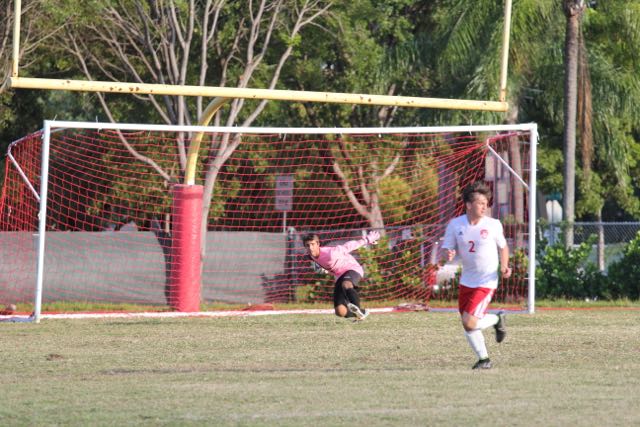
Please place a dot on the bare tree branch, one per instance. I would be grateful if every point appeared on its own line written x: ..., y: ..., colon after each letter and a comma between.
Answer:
x: 33, y: 35
x: 155, y: 41
x: 107, y: 110
x: 359, y: 207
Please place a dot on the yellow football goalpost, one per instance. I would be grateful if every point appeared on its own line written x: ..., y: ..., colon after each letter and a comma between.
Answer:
x: 224, y: 94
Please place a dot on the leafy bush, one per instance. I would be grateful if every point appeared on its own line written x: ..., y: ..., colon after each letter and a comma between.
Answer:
x: 305, y: 294
x: 624, y: 274
x: 393, y: 271
x: 318, y: 291
x: 567, y: 273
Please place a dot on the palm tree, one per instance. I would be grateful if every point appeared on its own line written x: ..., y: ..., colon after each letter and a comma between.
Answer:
x: 573, y: 45
x: 536, y: 61
x: 472, y: 72
x: 605, y: 118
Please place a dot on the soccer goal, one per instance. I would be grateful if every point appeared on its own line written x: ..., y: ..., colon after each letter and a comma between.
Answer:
x: 88, y: 212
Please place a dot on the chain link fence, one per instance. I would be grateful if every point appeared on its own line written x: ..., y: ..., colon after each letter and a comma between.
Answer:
x: 611, y: 238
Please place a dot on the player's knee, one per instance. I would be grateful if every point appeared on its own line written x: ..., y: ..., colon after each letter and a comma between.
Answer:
x: 341, y: 311
x: 469, y: 323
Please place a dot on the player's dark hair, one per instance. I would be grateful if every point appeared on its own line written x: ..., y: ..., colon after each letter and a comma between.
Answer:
x: 477, y: 187
x: 309, y: 237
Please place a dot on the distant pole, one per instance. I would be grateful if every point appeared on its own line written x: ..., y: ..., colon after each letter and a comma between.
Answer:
x: 505, y: 51
x: 16, y: 37
x: 284, y: 222
x: 284, y: 196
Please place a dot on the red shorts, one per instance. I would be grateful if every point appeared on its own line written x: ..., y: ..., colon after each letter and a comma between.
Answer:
x: 474, y: 300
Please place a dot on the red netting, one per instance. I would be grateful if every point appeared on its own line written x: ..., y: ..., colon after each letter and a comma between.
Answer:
x: 109, y: 213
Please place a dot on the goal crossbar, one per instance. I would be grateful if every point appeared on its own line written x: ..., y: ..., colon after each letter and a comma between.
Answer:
x: 64, y: 124
x: 259, y: 94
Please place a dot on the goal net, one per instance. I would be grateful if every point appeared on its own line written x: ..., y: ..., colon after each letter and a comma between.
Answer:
x: 86, y: 211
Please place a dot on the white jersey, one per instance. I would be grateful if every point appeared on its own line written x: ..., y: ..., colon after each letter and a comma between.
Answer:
x: 477, y: 245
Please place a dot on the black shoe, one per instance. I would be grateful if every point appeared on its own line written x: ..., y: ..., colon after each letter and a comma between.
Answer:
x: 482, y: 364
x: 500, y: 327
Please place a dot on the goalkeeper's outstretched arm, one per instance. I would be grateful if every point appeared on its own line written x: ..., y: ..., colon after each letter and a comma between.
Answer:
x: 370, y: 239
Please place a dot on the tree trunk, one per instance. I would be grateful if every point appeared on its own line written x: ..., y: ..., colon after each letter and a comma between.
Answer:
x: 573, y: 11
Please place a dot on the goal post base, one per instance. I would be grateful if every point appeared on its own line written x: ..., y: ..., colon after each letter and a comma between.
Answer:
x: 185, y: 277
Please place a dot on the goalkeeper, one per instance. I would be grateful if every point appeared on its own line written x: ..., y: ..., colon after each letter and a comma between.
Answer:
x: 346, y: 270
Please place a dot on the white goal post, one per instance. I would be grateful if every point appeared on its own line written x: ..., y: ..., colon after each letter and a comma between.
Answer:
x: 297, y: 185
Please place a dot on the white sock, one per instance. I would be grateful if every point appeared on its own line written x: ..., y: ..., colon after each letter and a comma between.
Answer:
x: 489, y: 319
x: 476, y: 341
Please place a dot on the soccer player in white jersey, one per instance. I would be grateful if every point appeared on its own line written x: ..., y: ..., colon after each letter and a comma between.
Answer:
x: 479, y: 241
x: 346, y: 270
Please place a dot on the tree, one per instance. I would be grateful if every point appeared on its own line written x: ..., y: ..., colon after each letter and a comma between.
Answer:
x: 36, y: 30
x: 17, y: 110
x: 178, y: 42
x: 463, y: 69
x: 606, y: 117
x: 536, y: 64
x: 606, y: 121
x: 363, y: 187
x: 573, y: 10
x: 371, y: 47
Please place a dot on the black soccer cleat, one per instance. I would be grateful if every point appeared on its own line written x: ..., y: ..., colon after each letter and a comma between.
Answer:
x: 482, y: 364
x: 501, y: 327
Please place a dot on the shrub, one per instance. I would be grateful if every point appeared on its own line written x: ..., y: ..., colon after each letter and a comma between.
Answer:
x: 567, y: 273
x: 395, y: 271
x: 624, y: 274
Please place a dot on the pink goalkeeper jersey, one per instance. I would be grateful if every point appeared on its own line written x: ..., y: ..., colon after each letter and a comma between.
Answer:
x: 338, y: 259
x: 477, y: 245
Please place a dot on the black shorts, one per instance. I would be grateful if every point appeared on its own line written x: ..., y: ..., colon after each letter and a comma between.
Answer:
x: 339, y: 295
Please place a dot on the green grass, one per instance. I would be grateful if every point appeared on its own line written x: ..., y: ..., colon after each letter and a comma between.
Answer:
x: 578, y: 368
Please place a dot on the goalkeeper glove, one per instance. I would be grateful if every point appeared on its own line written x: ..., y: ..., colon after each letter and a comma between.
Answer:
x: 372, y: 237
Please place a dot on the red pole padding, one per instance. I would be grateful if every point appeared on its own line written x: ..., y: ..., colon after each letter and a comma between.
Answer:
x: 185, y: 272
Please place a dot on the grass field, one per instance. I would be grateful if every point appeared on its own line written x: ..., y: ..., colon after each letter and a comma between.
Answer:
x: 556, y: 367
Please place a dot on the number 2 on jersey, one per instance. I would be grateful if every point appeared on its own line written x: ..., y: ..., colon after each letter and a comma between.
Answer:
x: 472, y: 246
